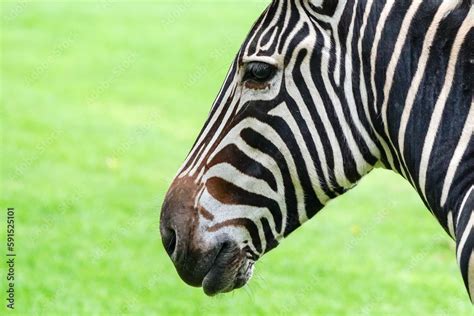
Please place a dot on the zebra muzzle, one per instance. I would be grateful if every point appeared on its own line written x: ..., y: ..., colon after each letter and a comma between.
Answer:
x: 216, y: 263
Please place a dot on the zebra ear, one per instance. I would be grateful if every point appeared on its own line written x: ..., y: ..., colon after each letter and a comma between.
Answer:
x: 324, y: 7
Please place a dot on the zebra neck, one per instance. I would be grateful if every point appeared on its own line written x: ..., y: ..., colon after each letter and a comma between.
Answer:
x: 419, y: 74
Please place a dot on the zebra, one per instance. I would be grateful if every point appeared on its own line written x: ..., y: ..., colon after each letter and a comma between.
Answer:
x: 320, y: 93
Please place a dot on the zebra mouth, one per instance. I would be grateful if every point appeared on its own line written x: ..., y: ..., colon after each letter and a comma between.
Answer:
x: 231, y: 270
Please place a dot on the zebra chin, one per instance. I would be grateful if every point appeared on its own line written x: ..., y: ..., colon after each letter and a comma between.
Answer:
x: 230, y: 270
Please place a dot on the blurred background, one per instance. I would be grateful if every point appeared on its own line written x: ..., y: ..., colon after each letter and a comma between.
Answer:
x: 100, y: 103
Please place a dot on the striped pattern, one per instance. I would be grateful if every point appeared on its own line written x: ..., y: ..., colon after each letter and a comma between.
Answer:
x: 358, y: 84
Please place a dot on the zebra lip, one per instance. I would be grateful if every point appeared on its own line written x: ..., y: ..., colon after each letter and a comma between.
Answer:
x: 222, y: 276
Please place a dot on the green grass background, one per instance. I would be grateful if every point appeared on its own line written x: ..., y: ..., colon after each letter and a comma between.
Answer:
x: 100, y: 102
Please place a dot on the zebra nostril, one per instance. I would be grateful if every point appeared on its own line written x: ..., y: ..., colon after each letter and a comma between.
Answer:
x: 169, y: 240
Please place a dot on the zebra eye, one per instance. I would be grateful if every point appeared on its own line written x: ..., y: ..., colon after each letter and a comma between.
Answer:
x: 259, y: 72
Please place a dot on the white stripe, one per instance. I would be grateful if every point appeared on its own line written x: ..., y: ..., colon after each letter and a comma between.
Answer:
x: 292, y: 34
x: 229, y: 173
x: 268, y: 26
x: 470, y: 276
x: 220, y: 106
x: 255, y: 154
x: 349, y: 93
x: 464, y: 236
x: 361, y: 164
x: 363, y: 88
x: 271, y: 164
x: 257, y: 29
x: 336, y: 18
x: 451, y: 224
x: 373, y: 54
x: 461, y: 147
x: 442, y: 98
x: 217, y: 133
x: 466, y: 134
x: 270, y: 134
x: 397, y: 50
x: 285, y: 24
x: 271, y: 41
x: 283, y: 112
x: 373, y: 59
x: 303, y: 108
x: 463, y: 204
x: 339, y: 172
x: 443, y: 10
x: 223, y: 212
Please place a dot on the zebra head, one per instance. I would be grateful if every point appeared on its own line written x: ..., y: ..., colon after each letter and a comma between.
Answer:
x: 283, y: 137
